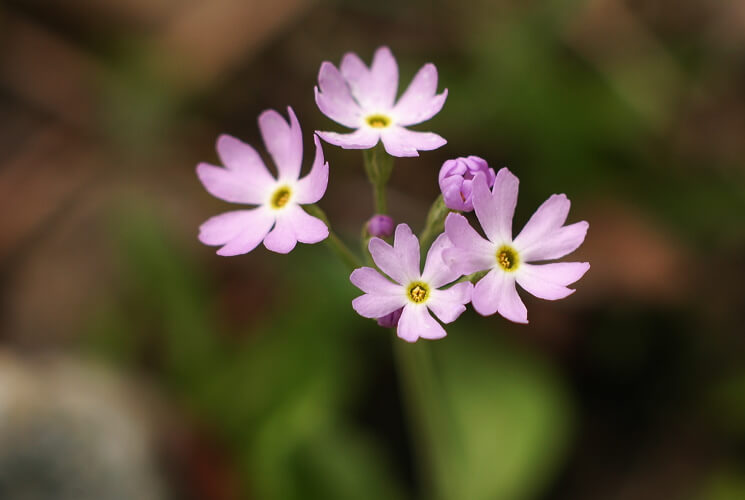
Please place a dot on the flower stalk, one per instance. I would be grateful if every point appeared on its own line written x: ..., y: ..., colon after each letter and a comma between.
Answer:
x: 428, y: 419
x: 425, y: 406
x: 378, y: 165
x: 435, y: 223
x: 341, y: 250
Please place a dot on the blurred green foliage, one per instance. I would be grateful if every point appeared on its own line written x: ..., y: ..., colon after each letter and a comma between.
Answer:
x: 283, y: 395
x: 295, y: 394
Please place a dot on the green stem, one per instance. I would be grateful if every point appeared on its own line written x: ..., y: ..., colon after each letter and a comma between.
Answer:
x: 435, y: 223
x: 364, y: 243
x: 422, y: 394
x: 381, y: 203
x: 378, y: 165
x: 333, y: 241
x: 430, y: 431
x: 473, y: 278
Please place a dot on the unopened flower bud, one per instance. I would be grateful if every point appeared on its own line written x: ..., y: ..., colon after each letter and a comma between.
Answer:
x: 380, y: 225
x: 391, y: 320
x: 455, y: 181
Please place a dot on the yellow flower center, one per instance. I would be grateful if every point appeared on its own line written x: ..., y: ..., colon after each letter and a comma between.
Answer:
x: 507, y: 258
x: 378, y: 121
x: 280, y: 197
x: 418, y: 292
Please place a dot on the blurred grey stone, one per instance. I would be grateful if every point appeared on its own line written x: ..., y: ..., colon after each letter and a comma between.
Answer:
x: 72, y: 432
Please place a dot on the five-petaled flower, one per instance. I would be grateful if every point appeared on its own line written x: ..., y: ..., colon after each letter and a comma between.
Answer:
x: 508, y: 260
x: 278, y: 220
x: 414, y: 291
x: 364, y: 99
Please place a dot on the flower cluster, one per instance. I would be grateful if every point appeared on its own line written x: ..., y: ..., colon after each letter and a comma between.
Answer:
x: 462, y: 265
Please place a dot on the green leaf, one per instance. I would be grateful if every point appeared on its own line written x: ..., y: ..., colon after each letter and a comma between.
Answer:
x: 501, y: 419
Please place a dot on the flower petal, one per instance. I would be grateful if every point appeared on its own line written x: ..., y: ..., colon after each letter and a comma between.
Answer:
x: 353, y: 69
x: 312, y: 187
x: 371, y: 281
x: 416, y: 322
x: 549, y: 281
x: 496, y: 292
x: 384, y: 72
x: 305, y: 227
x: 374, y: 88
x: 450, y: 303
x: 419, y: 102
x: 239, y: 231
x: 376, y: 306
x: 550, y: 215
x: 436, y: 271
x: 334, y: 98
x: 233, y: 186
x: 400, y: 261
x: 472, y: 252
x: 399, y: 141
x: 364, y: 138
x: 240, y: 157
x: 406, y: 245
x: 283, y: 141
x: 555, y: 244
x: 293, y: 224
x: 387, y: 260
x: 495, y: 209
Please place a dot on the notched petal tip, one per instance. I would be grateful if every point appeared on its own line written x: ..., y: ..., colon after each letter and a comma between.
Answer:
x: 279, y: 248
x: 270, y: 114
x: 357, y: 276
x: 383, y: 50
x: 202, y: 168
x: 326, y: 67
x: 402, y: 231
x: 224, y: 138
x: 226, y: 252
x: 374, y: 242
x: 319, y: 149
x: 294, y: 123
x: 505, y: 175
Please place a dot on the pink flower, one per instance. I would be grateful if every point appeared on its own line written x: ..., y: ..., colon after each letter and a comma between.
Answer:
x: 364, y: 99
x: 508, y: 260
x: 414, y: 291
x: 278, y: 220
x: 456, y: 177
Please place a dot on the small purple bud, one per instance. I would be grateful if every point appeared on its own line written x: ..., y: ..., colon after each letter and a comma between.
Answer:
x: 380, y: 225
x: 455, y: 181
x: 391, y: 320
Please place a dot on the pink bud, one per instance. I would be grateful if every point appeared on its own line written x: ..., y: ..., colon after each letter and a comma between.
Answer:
x: 380, y: 225
x: 455, y: 181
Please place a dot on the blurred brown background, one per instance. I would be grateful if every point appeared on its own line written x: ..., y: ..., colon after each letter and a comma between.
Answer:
x: 135, y: 363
